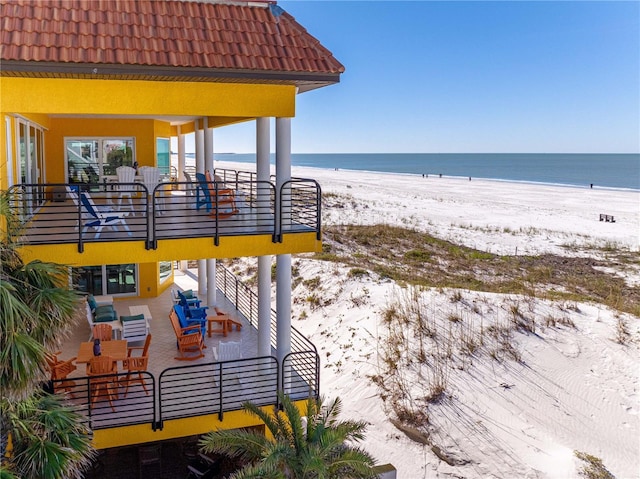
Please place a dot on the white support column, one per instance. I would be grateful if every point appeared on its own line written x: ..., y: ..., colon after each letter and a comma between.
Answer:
x: 202, y: 277
x: 283, y: 172
x: 263, y: 149
x: 212, y: 287
x: 263, y: 170
x: 208, y: 145
x: 181, y: 155
x: 200, y: 168
x: 283, y: 261
x: 283, y: 305
x: 208, y: 165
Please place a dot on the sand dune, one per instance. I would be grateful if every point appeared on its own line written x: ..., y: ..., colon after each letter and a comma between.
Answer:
x: 567, y: 384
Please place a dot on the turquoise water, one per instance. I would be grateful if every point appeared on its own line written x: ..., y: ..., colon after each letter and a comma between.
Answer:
x: 601, y: 170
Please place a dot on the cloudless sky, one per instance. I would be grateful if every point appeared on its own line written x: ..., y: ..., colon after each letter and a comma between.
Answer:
x: 468, y: 77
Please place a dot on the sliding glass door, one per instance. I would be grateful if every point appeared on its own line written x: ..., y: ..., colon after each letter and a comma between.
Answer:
x: 93, y: 160
x: 112, y: 279
x: 31, y: 162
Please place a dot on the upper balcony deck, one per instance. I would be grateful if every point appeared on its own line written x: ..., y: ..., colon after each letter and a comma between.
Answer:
x: 172, y: 221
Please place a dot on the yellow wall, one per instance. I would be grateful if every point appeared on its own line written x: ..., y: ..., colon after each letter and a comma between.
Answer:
x: 122, y: 436
x: 121, y: 97
x: 122, y: 252
x: 149, y: 285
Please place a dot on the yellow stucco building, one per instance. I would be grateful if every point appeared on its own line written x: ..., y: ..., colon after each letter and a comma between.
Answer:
x: 89, y: 87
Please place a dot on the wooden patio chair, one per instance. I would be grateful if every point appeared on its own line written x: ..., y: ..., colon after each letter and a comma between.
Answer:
x: 143, y: 349
x: 102, y: 331
x: 189, y: 339
x: 135, y: 366
x: 105, y: 385
x: 225, y: 198
x: 60, y: 369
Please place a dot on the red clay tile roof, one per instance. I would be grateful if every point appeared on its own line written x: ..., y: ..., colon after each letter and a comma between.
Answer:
x: 194, y: 38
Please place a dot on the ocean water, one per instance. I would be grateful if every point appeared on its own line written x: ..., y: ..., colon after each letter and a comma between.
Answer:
x: 580, y: 170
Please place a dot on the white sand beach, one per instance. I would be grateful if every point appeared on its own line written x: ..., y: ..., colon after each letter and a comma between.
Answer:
x: 570, y: 385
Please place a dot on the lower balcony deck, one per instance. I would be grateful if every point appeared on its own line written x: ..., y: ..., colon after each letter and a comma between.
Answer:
x: 187, y: 398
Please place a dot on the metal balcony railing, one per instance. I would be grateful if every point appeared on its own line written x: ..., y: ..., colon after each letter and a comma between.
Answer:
x: 246, y: 302
x: 301, y: 371
x: 55, y: 213
x: 185, y: 391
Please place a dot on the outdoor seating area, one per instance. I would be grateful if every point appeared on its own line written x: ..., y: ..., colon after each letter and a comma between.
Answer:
x: 161, y: 353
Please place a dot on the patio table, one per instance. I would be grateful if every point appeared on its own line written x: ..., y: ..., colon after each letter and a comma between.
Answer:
x: 117, y: 349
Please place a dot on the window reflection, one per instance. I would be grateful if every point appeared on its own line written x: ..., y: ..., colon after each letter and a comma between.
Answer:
x: 113, y: 279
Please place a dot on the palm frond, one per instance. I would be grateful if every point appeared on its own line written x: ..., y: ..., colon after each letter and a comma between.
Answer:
x: 21, y: 364
x: 353, y: 463
x: 322, y: 451
x: 268, y: 419
x: 247, y: 445
x: 49, y: 438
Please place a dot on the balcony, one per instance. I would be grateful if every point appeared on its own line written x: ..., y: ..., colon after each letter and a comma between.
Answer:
x: 186, y: 398
x: 172, y: 221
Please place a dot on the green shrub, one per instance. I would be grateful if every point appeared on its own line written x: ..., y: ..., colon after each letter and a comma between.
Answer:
x: 357, y: 273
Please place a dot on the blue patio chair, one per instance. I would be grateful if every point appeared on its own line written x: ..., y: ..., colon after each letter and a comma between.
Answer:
x: 192, y: 310
x: 203, y: 197
x: 186, y: 321
x: 98, y: 219
x: 187, y: 297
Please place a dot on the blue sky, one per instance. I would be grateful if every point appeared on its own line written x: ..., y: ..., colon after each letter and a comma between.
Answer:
x: 469, y: 77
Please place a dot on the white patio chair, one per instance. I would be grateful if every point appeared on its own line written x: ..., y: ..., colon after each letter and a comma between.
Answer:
x: 151, y: 179
x: 126, y: 174
x: 228, y: 351
x: 190, y: 189
x: 134, y: 328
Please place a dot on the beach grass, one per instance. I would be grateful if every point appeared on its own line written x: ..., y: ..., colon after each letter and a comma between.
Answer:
x: 408, y: 256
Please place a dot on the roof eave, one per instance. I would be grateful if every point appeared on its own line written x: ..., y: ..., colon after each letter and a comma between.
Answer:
x: 304, y: 80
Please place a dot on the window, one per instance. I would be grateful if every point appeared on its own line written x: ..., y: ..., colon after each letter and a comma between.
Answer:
x: 163, y: 156
x: 166, y: 267
x: 92, y: 160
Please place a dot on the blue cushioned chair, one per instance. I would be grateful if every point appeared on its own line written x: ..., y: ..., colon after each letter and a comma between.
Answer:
x: 104, y: 313
x: 185, y: 321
